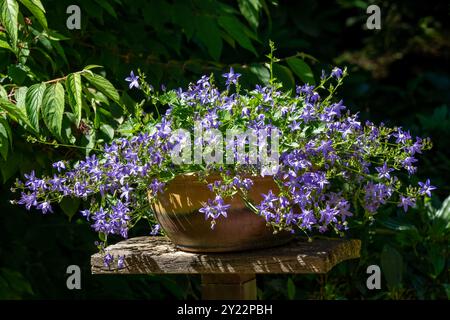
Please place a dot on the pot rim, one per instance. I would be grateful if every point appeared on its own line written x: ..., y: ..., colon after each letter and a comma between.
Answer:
x: 192, y: 178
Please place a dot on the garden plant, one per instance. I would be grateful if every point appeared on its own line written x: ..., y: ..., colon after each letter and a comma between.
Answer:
x: 93, y: 145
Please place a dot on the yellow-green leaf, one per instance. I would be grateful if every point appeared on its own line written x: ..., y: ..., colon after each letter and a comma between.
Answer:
x: 53, y: 108
x: 102, y: 85
x: 37, y: 10
x: 3, y: 93
x: 4, y: 44
x: 9, y: 13
x: 33, y: 103
x: 13, y: 111
x: 74, y: 94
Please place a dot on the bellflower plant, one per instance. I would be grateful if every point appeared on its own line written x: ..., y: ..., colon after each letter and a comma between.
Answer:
x: 332, y: 166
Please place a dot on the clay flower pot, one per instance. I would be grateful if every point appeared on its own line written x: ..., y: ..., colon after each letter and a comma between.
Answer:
x: 177, y: 213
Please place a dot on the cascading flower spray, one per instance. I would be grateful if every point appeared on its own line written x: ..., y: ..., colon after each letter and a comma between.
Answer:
x: 332, y: 166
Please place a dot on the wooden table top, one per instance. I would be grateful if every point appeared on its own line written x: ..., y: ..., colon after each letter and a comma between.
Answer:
x: 158, y: 255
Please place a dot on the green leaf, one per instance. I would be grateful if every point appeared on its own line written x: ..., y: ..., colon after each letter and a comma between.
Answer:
x: 108, y: 8
x: 10, y: 167
x: 284, y: 75
x: 209, y: 34
x: 60, y: 51
x: 250, y: 10
x: 67, y: 135
x: 75, y: 95
x: 3, y: 93
x: 88, y: 141
x: 20, y: 96
x: 17, y: 73
x: 4, y: 138
x: 102, y: 237
x: 302, y: 70
x: 53, y: 108
x: 436, y: 255
x: 392, y: 266
x: 236, y: 30
x: 9, y: 14
x: 290, y: 289
x: 36, y: 9
x: 444, y: 212
x: 33, y: 103
x: 49, y: 58
x: 13, y: 285
x: 53, y: 35
x: 16, y: 113
x: 103, y: 86
x: 5, y: 45
x: 181, y: 14
x: 397, y: 224
x: 261, y: 72
x: 70, y: 206
x: 9, y: 132
x: 447, y: 289
x: 107, y: 130
x: 92, y: 66
x: 38, y: 4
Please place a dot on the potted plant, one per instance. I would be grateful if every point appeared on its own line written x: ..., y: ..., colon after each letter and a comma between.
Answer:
x: 239, y: 169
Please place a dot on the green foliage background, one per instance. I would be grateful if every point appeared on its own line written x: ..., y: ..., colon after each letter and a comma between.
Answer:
x: 51, y: 89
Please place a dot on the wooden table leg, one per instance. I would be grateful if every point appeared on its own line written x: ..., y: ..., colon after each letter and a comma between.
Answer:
x: 229, y: 286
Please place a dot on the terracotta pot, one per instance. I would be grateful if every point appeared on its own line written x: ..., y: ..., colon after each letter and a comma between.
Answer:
x: 177, y: 212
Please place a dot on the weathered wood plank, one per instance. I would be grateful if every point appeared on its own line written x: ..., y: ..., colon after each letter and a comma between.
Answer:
x: 228, y: 286
x: 145, y: 255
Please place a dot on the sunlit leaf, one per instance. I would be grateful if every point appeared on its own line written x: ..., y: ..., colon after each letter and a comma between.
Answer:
x: 53, y: 108
x: 37, y: 10
x: 302, y: 70
x: 33, y: 104
x: 9, y: 13
x: 75, y: 94
x: 102, y: 85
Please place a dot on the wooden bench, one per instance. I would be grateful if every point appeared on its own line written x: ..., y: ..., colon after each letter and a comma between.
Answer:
x: 226, y: 275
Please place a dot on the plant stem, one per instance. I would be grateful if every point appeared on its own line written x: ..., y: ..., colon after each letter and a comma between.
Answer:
x: 64, y: 145
x: 55, y: 80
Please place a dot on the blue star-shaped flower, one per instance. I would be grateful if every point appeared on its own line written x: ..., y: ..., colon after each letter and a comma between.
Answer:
x: 231, y: 77
x: 133, y: 80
